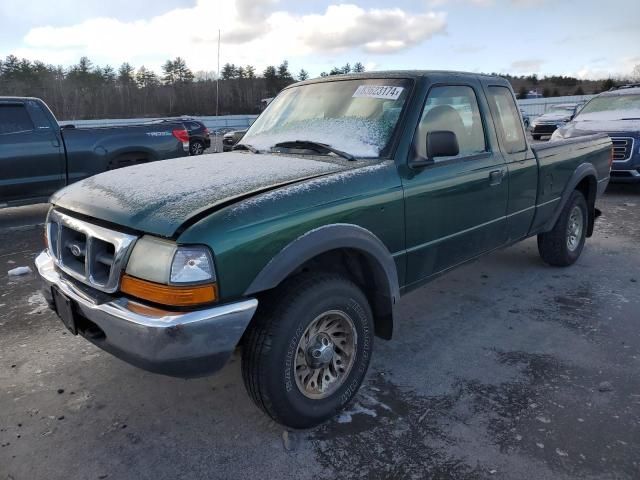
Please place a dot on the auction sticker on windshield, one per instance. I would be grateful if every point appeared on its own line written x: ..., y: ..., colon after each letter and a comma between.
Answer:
x: 378, y: 91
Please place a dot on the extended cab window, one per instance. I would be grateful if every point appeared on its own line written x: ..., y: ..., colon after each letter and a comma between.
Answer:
x: 509, y: 123
x: 453, y: 108
x: 14, y: 118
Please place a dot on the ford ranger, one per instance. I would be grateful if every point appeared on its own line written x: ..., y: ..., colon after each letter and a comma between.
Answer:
x: 38, y: 156
x: 345, y: 194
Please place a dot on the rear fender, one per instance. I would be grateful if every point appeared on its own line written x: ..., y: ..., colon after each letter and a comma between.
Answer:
x: 584, y: 171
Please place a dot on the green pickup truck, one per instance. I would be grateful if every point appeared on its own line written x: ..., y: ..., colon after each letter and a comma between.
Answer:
x: 345, y: 194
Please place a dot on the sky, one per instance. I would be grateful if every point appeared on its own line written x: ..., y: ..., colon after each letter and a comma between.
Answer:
x: 583, y: 38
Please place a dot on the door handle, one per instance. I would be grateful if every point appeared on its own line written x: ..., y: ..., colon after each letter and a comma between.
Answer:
x: 495, y: 177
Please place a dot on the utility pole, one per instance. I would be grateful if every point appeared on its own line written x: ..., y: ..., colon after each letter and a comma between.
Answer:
x: 215, y: 148
x: 218, y: 79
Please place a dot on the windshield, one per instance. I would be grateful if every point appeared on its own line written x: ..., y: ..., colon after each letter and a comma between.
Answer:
x: 561, y: 110
x: 624, y: 106
x: 354, y: 116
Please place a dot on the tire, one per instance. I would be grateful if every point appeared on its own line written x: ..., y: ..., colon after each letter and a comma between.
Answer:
x: 196, y: 148
x: 563, y: 245
x: 536, y: 137
x: 275, y: 344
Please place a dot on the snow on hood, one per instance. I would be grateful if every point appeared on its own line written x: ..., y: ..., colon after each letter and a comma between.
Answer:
x: 632, y: 113
x: 158, y: 197
x: 610, y: 121
x: 553, y: 116
x: 600, y: 126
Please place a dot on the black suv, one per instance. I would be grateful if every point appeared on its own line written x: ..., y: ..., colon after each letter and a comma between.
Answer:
x: 199, y: 139
x: 231, y: 138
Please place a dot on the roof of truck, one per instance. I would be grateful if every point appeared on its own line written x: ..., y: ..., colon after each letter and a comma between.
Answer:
x: 401, y: 74
x: 16, y: 99
x: 624, y: 90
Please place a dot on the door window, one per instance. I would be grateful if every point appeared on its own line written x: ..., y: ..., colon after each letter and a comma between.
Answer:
x: 14, y: 118
x: 453, y: 108
x: 38, y: 117
x: 509, y: 123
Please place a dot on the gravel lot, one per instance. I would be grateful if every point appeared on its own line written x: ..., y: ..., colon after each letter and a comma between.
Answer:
x: 504, y: 368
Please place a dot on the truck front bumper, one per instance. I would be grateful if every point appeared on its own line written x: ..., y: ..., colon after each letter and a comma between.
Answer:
x: 180, y: 344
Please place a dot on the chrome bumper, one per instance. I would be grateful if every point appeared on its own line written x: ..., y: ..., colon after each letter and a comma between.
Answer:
x: 181, y: 344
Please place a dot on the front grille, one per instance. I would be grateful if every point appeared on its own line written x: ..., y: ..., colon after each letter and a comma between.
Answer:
x: 622, y: 148
x: 545, y: 128
x: 92, y: 254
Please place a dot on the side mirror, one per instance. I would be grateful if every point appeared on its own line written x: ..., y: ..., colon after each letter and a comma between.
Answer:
x: 442, y: 143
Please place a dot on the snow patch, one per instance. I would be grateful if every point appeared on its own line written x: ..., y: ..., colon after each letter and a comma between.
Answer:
x: 307, y: 186
x: 38, y: 301
x: 347, y: 415
x: 358, y: 136
x: 170, y: 191
x: 15, y: 272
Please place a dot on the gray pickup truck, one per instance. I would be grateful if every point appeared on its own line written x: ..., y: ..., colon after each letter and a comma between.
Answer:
x: 39, y: 156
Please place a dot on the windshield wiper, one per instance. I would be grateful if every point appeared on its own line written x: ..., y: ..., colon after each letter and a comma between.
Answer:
x: 245, y: 146
x: 317, y: 146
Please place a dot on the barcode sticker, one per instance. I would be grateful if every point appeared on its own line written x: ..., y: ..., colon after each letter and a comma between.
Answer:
x: 378, y: 91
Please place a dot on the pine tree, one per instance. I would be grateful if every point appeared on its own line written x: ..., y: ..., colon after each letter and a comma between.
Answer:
x: 283, y: 72
x: 182, y: 73
x: 607, y: 84
x: 303, y: 75
x: 146, y: 78
x: 108, y: 74
x: 228, y: 71
x: 125, y: 74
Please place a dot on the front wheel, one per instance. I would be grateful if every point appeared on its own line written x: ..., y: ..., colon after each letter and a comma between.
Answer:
x: 564, y: 243
x: 308, y: 350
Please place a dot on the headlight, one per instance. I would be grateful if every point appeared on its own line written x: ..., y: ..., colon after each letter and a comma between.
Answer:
x: 164, y: 272
x: 556, y: 135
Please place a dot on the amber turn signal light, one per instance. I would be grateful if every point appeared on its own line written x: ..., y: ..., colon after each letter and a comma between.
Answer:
x: 172, y: 295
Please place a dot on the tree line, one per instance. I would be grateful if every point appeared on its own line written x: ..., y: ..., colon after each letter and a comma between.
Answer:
x: 87, y: 91
x: 560, y: 85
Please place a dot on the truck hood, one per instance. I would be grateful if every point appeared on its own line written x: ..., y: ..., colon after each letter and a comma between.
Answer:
x: 553, y: 117
x: 594, y: 124
x: 159, y: 197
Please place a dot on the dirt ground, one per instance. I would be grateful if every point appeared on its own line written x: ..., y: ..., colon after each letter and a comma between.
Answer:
x: 504, y: 368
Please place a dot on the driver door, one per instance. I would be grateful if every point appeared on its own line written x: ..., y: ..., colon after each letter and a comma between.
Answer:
x: 455, y: 206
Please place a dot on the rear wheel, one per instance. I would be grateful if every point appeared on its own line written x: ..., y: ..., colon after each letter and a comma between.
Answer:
x: 563, y: 245
x: 308, y: 350
x: 196, y: 148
